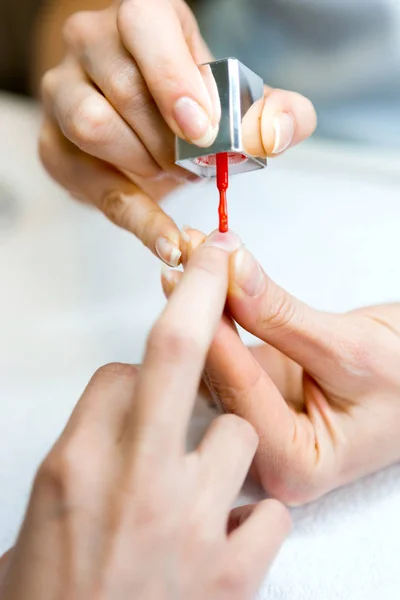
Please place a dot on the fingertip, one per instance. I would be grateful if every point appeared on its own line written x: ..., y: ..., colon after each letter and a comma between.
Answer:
x: 191, y: 240
x: 169, y: 280
x: 168, y: 251
x: 276, y: 123
x: 229, y: 241
x: 288, y: 118
x: 280, y: 513
x: 251, y: 130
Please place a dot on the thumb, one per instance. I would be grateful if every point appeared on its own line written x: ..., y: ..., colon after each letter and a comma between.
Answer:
x: 280, y: 120
x: 309, y: 337
x: 4, y: 565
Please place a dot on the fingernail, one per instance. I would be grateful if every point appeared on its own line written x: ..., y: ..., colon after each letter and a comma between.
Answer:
x: 284, y: 132
x: 184, y: 233
x: 194, y: 122
x: 168, y: 252
x: 168, y: 275
x: 248, y: 273
x: 166, y: 272
x: 225, y: 241
x: 170, y: 278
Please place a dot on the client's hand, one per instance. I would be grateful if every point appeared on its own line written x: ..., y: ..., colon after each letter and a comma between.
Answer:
x: 129, y: 83
x: 119, y: 509
x: 323, y: 393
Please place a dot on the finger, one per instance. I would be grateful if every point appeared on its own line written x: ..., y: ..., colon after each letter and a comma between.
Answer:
x: 290, y: 455
x: 168, y: 67
x: 309, y: 337
x: 226, y: 454
x: 90, y: 122
x: 279, y: 121
x: 178, y: 345
x: 169, y: 280
x: 284, y: 372
x: 5, y: 564
x: 123, y: 202
x: 102, y: 408
x: 240, y: 386
x: 254, y: 543
x: 191, y: 240
x: 116, y: 74
x: 84, y: 454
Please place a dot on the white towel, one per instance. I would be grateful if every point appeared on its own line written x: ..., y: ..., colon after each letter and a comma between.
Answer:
x: 77, y: 293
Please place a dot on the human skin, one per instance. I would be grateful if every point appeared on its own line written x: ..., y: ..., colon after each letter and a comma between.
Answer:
x: 116, y: 102
x: 322, y: 391
x: 119, y: 509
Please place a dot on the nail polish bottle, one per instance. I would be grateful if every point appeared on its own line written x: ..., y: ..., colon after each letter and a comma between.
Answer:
x: 238, y: 88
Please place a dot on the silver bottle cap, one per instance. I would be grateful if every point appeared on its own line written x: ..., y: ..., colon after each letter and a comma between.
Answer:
x: 238, y: 88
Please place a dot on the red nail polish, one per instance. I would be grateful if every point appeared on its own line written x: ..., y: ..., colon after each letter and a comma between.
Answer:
x: 238, y: 88
x: 222, y: 185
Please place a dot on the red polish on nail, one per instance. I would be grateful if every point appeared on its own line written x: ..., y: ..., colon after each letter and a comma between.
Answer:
x: 222, y: 185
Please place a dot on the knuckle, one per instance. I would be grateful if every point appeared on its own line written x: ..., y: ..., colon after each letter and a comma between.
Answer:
x: 149, y: 513
x: 202, y: 539
x: 79, y: 27
x: 357, y: 355
x: 49, y: 83
x: 281, y: 513
x: 48, y: 474
x: 117, y: 208
x: 46, y: 149
x: 234, y: 581
x: 171, y: 343
x: 241, y: 430
x: 152, y: 506
x: 50, y: 152
x: 281, y: 312
x: 61, y: 474
x: 282, y: 492
x: 235, y: 398
x: 152, y: 224
x: 88, y: 124
x: 114, y: 371
x: 296, y: 486
x: 121, y: 87
x: 131, y: 14
x: 128, y: 88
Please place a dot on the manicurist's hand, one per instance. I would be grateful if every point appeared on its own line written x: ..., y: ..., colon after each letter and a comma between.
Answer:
x: 322, y: 392
x: 119, y: 509
x: 129, y: 83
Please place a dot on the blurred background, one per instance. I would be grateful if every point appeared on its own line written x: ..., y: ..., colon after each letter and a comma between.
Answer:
x: 342, y: 54
x: 76, y: 292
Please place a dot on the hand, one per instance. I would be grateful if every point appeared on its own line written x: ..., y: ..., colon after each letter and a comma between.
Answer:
x: 119, y: 509
x: 128, y: 84
x: 323, y: 393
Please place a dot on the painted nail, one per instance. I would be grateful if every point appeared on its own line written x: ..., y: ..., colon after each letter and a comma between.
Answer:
x: 284, y: 132
x: 194, y: 122
x: 248, y: 273
x: 168, y: 252
x: 225, y: 241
